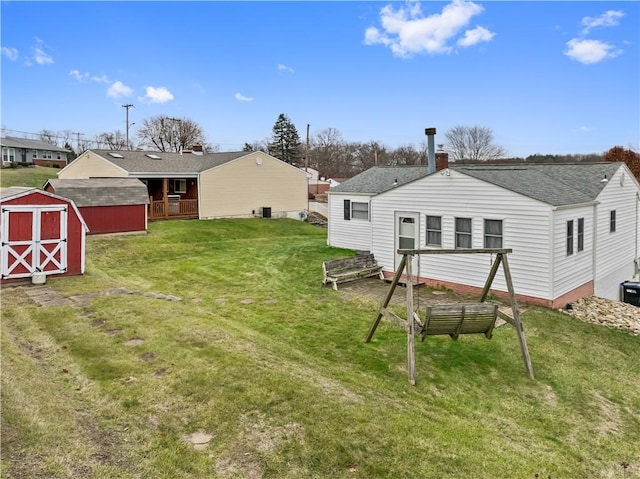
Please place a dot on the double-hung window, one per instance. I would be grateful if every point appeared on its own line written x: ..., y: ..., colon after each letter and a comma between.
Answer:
x: 463, y: 233
x: 359, y: 211
x: 612, y: 221
x: 9, y: 154
x: 434, y: 230
x: 180, y: 186
x: 569, y: 237
x: 580, y: 234
x: 493, y: 233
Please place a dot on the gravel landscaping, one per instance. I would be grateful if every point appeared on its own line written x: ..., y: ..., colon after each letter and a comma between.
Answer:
x: 613, y: 314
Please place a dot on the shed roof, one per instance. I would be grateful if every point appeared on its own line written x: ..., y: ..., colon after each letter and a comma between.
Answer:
x: 13, y: 142
x: 14, y: 190
x: 138, y: 162
x: 102, y: 191
x: 554, y: 184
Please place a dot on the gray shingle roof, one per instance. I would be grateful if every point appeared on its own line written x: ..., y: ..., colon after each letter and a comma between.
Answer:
x: 14, y: 190
x: 137, y: 162
x: 13, y: 142
x: 102, y: 191
x: 379, y: 179
x: 554, y: 184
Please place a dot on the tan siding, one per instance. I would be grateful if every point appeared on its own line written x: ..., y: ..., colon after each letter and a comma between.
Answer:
x: 241, y: 187
x: 90, y: 165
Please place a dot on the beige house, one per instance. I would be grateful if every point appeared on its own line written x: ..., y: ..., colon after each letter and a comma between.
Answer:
x: 203, y: 185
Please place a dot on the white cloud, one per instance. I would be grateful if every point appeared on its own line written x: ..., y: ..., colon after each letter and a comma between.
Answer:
x: 584, y: 129
x: 407, y: 31
x: 158, y: 95
x: 241, y: 97
x: 475, y: 36
x: 607, y: 19
x: 118, y: 89
x: 285, y: 68
x: 40, y: 56
x: 590, y: 51
x: 100, y: 79
x: 78, y: 76
x: 10, y: 53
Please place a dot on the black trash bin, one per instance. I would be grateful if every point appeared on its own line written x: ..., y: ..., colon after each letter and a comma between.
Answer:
x: 630, y: 292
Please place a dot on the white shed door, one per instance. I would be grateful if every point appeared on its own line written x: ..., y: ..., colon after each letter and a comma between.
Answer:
x: 34, y: 238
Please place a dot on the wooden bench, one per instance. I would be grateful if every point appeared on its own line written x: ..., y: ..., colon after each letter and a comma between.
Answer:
x: 362, y: 265
x: 457, y: 319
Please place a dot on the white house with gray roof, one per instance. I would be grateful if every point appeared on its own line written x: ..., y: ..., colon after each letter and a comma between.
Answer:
x: 573, y: 228
x: 211, y: 185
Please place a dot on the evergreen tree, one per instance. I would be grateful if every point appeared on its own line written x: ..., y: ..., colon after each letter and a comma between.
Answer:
x: 285, y: 142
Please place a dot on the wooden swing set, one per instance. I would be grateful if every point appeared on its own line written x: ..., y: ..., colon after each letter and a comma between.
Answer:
x: 452, y: 319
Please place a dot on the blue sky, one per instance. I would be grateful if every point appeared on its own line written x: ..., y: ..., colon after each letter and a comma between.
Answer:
x: 546, y: 77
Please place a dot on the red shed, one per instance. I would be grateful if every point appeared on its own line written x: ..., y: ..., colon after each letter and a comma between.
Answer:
x: 39, y: 232
x: 108, y: 205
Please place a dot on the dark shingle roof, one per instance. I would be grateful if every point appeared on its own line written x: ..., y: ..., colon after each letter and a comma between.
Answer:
x: 379, y: 179
x: 102, y: 191
x: 137, y: 162
x: 13, y: 142
x: 554, y: 184
x: 14, y: 190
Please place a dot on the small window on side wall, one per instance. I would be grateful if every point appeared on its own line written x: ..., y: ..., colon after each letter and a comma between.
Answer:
x: 359, y: 211
x: 493, y: 233
x: 463, y: 233
x: 612, y: 221
x: 580, y: 234
x: 180, y: 186
x: 434, y: 231
x: 569, y: 237
x: 347, y: 210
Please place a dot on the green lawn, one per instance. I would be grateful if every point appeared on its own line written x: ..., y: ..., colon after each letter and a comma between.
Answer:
x: 34, y: 177
x: 274, y: 368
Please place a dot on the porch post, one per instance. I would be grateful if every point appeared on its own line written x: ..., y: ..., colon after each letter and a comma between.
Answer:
x: 165, y: 196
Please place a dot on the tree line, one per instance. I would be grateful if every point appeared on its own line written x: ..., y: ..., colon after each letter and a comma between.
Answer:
x: 326, y: 150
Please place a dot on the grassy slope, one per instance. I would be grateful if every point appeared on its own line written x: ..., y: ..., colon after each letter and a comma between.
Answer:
x: 34, y: 177
x: 274, y: 367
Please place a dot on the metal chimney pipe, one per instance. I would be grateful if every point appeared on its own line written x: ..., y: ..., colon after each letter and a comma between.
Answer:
x: 431, y: 151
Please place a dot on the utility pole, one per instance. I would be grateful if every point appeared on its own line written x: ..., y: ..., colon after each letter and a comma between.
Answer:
x: 306, y: 154
x: 127, y: 106
x: 77, y: 142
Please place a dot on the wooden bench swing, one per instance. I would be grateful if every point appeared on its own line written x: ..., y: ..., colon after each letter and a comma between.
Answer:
x: 452, y: 319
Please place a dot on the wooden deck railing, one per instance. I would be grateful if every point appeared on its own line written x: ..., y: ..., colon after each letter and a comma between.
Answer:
x: 176, y: 209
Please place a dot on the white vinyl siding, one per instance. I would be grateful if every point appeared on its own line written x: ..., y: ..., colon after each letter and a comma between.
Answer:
x: 616, y: 251
x: 343, y: 233
x: 571, y: 271
x: 525, y: 221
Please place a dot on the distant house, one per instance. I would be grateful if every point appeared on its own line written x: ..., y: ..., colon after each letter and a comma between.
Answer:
x: 574, y: 228
x: 197, y: 185
x: 108, y: 205
x: 22, y: 150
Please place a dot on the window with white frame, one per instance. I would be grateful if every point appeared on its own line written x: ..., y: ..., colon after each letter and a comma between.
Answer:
x: 180, y: 186
x: 359, y: 211
x: 9, y: 154
x: 463, y: 233
x: 34, y: 154
x: 580, y: 234
x: 493, y: 233
x: 612, y: 221
x: 569, y: 237
x: 434, y: 230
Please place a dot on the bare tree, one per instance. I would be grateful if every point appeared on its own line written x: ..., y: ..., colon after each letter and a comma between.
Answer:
x: 407, y: 155
x: 257, y: 146
x: 111, y: 140
x: 48, y: 136
x: 171, y: 134
x: 327, y: 152
x: 473, y: 143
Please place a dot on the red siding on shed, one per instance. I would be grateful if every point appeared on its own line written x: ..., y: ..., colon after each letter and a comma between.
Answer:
x: 75, y: 228
x: 114, y: 219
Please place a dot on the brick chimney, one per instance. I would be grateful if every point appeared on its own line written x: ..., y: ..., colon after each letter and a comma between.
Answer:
x: 442, y: 158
